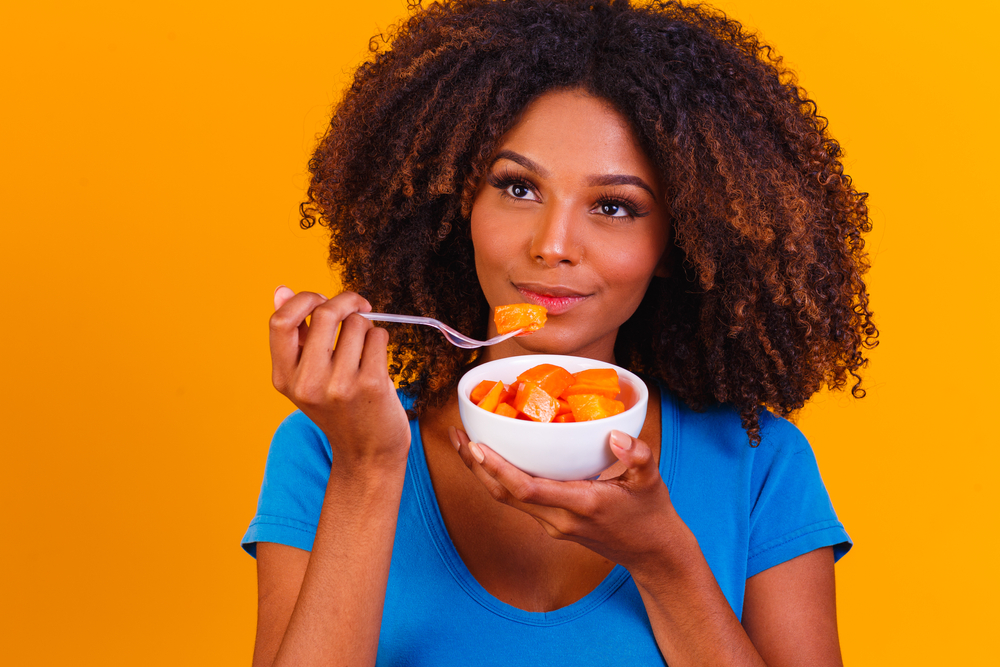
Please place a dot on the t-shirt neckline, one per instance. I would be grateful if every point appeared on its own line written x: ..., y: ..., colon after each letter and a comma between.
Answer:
x: 431, y: 512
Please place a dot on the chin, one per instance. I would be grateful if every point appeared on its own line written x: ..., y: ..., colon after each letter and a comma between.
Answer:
x: 542, y: 344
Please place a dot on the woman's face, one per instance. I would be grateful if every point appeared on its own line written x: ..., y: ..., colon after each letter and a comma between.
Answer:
x: 571, y: 216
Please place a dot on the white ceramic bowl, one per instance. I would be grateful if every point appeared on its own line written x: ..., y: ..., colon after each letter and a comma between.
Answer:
x: 578, y: 450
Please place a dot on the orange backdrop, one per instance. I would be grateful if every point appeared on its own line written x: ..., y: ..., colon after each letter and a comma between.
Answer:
x: 153, y: 156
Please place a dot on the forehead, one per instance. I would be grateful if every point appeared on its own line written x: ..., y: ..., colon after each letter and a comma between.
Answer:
x: 573, y: 130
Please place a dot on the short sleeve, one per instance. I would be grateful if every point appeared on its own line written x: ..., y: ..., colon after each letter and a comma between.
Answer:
x: 792, y: 513
x: 291, y: 495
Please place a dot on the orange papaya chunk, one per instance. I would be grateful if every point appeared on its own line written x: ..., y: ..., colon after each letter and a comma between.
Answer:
x: 534, y: 403
x: 506, y: 410
x: 481, y: 390
x: 566, y: 418
x: 492, y: 399
x: 516, y: 316
x: 564, y: 408
x: 588, y: 407
x: 603, y: 381
x: 552, y: 379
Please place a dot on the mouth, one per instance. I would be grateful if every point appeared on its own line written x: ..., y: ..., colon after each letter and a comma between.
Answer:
x: 555, y: 299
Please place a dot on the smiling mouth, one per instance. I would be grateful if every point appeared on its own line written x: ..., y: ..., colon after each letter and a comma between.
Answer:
x: 555, y: 300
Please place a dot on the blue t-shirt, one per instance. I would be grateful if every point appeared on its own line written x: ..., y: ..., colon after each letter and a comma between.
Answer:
x: 750, y: 509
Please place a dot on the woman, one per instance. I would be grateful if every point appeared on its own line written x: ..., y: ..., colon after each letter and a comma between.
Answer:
x: 657, y: 182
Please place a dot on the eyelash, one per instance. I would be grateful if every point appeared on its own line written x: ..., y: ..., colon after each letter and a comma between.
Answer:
x: 506, y: 178
x: 634, y: 208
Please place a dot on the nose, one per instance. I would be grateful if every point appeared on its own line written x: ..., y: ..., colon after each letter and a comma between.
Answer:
x: 556, y: 239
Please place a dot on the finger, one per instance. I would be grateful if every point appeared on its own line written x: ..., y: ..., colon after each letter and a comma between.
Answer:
x: 349, y: 346
x: 460, y: 441
x: 457, y: 437
x: 551, y: 530
x: 562, y: 509
x: 285, y: 334
x: 575, y: 497
x: 375, y: 354
x: 640, y: 467
x: 281, y: 295
x: 326, y: 318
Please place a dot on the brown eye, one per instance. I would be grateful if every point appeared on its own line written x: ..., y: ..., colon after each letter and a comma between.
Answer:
x: 612, y: 208
x: 518, y: 191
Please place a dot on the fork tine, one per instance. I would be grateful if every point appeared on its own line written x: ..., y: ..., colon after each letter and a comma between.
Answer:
x: 453, y: 335
x: 456, y: 341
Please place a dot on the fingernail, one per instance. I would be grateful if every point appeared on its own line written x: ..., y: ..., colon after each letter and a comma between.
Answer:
x: 476, y: 452
x: 621, y: 440
x: 277, y: 288
x: 453, y: 436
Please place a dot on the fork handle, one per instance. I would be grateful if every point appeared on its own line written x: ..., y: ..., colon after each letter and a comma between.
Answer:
x: 404, y: 319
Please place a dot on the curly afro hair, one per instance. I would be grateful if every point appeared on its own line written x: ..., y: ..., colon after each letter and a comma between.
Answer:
x: 766, y: 303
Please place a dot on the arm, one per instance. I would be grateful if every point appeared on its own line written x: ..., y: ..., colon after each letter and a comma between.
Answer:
x: 789, y: 614
x: 790, y: 611
x: 325, y: 606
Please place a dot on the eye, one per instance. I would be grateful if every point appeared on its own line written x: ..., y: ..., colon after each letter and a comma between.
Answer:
x: 619, y: 207
x: 513, y: 185
x: 519, y: 191
x: 613, y: 210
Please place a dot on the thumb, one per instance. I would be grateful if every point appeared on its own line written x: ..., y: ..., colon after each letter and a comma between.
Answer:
x: 281, y: 295
x: 637, y: 457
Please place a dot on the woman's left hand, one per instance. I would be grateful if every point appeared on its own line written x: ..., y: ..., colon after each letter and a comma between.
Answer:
x: 628, y: 519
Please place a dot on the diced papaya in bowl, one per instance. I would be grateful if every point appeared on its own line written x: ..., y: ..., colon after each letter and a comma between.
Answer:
x: 603, y: 381
x: 544, y: 392
x: 535, y: 403
x: 481, y: 390
x: 494, y: 397
x: 506, y: 410
x: 551, y: 379
x: 587, y: 407
x: 564, y: 448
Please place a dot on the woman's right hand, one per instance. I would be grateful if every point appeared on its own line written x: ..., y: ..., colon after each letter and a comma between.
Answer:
x: 341, y: 382
x: 313, y: 606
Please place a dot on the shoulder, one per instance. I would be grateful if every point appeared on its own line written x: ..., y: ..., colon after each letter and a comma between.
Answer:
x: 787, y: 507
x: 291, y: 493
x: 298, y: 447
x: 714, y: 441
x: 294, y: 484
x: 717, y: 432
x: 765, y: 504
x: 296, y: 427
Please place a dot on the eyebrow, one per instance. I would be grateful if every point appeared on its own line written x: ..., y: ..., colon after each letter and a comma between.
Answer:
x: 604, y: 179
x: 621, y: 179
x: 521, y: 160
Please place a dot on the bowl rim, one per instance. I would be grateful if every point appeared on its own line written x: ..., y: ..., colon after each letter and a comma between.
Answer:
x: 642, y: 391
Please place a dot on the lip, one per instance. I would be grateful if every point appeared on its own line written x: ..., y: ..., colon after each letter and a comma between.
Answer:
x: 555, y: 298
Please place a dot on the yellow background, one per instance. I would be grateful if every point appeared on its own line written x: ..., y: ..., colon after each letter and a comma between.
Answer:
x: 153, y: 156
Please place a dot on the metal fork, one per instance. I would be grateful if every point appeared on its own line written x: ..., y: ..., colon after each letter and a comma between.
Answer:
x: 455, y: 338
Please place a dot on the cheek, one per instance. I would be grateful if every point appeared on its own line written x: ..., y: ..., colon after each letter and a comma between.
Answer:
x: 493, y: 249
x: 630, y: 268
